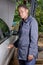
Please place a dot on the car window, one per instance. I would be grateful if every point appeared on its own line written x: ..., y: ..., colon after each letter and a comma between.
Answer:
x: 4, y: 30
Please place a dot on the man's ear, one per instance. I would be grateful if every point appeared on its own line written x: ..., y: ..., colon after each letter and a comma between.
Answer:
x: 27, y: 10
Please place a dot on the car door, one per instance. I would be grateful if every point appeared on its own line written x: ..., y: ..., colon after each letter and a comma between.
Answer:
x: 5, y: 40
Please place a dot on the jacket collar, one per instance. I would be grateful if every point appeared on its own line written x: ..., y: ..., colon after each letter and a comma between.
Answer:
x: 26, y: 20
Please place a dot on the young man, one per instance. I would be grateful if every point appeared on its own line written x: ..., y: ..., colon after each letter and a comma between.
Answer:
x: 28, y: 37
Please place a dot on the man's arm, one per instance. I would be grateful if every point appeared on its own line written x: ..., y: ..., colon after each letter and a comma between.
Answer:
x: 33, y: 50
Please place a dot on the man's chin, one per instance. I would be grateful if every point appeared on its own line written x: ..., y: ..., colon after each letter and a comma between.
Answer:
x: 22, y: 17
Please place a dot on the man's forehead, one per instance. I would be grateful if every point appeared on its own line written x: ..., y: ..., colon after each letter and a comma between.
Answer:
x: 22, y: 8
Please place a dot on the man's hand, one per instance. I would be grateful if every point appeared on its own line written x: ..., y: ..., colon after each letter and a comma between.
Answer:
x: 10, y: 46
x: 30, y: 57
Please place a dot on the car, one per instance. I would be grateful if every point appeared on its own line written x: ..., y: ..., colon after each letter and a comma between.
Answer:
x: 6, y: 38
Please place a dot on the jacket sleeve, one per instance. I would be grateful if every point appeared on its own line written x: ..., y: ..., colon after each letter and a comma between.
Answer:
x: 18, y: 33
x: 33, y: 50
x: 16, y: 43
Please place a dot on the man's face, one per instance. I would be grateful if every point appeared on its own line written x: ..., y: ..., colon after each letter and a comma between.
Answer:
x: 23, y: 12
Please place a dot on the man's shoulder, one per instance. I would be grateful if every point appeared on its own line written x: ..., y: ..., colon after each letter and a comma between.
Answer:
x: 33, y: 20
